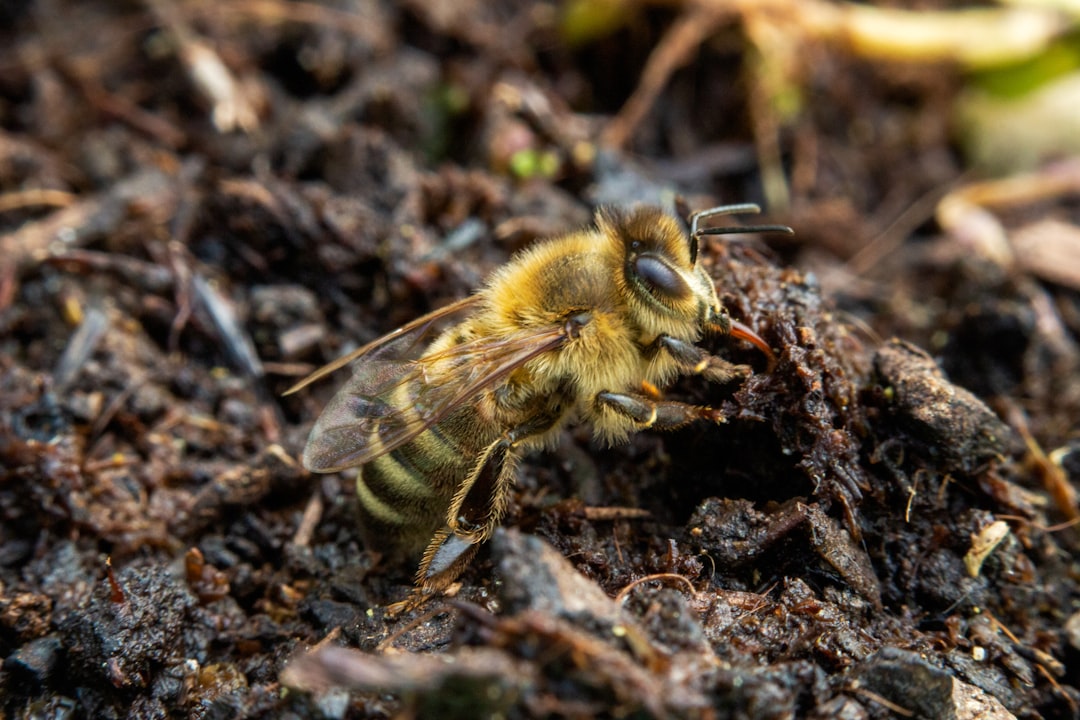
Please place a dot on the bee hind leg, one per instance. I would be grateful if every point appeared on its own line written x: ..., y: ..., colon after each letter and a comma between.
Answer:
x: 473, y: 515
x: 446, y: 556
x: 478, y: 506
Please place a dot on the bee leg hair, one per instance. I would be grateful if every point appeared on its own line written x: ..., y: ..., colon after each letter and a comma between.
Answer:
x: 478, y: 505
x: 648, y: 412
x: 693, y: 360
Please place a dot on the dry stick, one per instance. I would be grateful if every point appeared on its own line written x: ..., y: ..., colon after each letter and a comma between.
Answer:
x: 1053, y: 477
x: 120, y: 108
x: 36, y: 197
x: 675, y: 49
x: 1057, y: 686
x: 1058, y: 527
x: 8, y: 285
x: 896, y: 233
x: 387, y: 643
x: 1041, y: 667
x: 611, y: 513
x: 232, y: 106
x: 355, y: 21
x: 673, y: 577
x: 884, y: 702
x: 766, y: 128
x: 87, y: 220
x: 309, y: 521
x: 185, y: 304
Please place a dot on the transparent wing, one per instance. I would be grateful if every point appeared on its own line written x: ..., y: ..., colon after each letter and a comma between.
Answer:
x: 388, y: 402
x: 397, y: 344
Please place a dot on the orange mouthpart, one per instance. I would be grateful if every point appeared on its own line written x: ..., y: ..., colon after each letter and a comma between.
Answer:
x: 743, y: 332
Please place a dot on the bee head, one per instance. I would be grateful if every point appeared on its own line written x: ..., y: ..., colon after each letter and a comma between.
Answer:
x: 667, y: 289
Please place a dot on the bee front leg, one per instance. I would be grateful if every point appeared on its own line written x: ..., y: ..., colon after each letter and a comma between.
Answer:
x: 693, y: 360
x: 649, y: 412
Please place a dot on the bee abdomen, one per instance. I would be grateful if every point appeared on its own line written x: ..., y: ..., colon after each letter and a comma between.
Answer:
x: 404, y: 494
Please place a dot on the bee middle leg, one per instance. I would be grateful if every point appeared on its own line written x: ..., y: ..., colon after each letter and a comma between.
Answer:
x: 693, y: 360
x: 646, y: 411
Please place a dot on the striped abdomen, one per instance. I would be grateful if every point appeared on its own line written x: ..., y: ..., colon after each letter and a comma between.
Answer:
x: 404, y: 494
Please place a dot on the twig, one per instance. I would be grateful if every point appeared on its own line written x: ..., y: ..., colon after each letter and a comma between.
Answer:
x: 889, y: 704
x: 673, y: 577
x: 675, y: 49
x: 310, y: 519
x: 35, y: 197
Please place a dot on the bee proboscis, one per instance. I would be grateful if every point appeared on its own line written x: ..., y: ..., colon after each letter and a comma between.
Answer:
x: 585, y: 326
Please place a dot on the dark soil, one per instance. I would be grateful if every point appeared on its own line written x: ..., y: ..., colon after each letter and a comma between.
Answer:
x: 170, y: 264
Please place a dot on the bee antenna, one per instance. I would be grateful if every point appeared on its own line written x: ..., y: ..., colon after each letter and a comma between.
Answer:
x: 737, y: 209
x: 736, y: 229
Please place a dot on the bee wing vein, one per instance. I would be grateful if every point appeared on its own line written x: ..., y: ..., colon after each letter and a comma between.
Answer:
x: 368, y: 417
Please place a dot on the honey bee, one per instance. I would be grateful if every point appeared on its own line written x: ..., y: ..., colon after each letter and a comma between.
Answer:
x: 583, y: 327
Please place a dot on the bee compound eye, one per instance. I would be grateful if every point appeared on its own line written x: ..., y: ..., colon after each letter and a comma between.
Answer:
x: 659, y: 277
